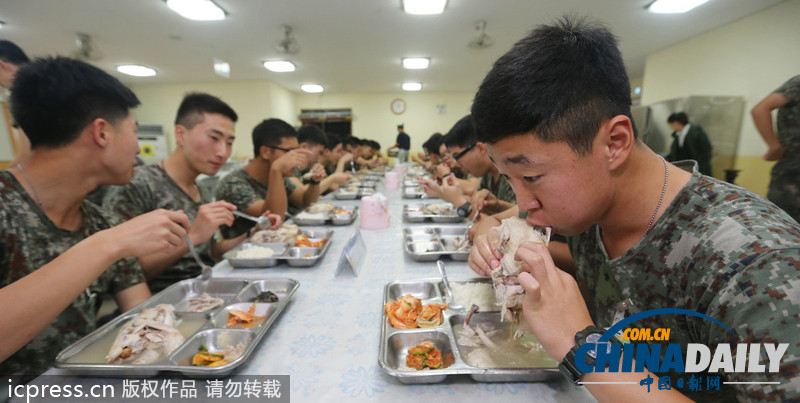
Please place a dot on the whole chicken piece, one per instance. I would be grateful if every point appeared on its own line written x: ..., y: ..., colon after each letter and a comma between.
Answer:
x: 509, y: 293
x: 147, y: 337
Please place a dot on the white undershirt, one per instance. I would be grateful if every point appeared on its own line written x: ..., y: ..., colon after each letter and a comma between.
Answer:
x: 682, y: 134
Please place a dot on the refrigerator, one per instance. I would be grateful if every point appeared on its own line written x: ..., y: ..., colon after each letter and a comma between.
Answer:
x: 720, y: 117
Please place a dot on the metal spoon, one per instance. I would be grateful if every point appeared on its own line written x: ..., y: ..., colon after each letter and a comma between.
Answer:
x: 206, y: 273
x: 451, y: 300
x: 262, y: 221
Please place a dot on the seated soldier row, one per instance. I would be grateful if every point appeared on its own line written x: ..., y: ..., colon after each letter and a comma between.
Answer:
x: 70, y: 253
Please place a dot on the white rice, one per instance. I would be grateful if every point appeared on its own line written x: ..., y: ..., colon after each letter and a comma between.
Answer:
x: 481, y: 294
x: 255, y: 252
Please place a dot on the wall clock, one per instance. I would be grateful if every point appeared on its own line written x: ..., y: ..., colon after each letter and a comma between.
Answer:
x: 398, y: 106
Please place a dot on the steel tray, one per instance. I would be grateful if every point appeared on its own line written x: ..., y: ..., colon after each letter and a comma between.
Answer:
x: 394, y: 343
x: 295, y: 256
x: 414, y: 192
x: 86, y: 356
x: 345, y: 194
x: 328, y: 218
x: 426, y: 244
x: 415, y: 213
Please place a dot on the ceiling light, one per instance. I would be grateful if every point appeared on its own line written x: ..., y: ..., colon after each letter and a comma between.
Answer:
x: 136, y: 70
x: 198, y: 10
x: 415, y: 63
x: 222, y: 68
x: 412, y: 86
x: 673, y: 6
x: 312, y: 88
x: 424, y: 7
x: 279, y: 66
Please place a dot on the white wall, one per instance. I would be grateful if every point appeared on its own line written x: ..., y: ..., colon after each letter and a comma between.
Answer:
x: 749, y: 57
x: 253, y: 101
x: 373, y: 119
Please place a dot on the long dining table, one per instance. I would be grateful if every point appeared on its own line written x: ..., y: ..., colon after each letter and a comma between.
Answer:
x: 327, y: 338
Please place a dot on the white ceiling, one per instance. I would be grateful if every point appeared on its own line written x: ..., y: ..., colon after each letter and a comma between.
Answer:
x: 346, y: 45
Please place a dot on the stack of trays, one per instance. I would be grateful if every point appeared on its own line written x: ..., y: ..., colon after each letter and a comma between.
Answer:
x: 394, y: 343
x: 87, y: 355
x: 307, y: 218
x: 295, y: 256
x: 419, y: 212
x: 426, y: 244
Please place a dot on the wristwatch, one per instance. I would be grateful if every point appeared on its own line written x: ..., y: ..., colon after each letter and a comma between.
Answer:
x: 463, y: 210
x: 589, y: 335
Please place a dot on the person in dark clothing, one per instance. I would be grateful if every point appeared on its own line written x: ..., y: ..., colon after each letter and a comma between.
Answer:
x: 690, y: 142
x: 403, y: 143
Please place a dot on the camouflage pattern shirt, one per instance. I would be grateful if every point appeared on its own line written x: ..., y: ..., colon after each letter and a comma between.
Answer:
x: 503, y: 191
x: 719, y: 250
x: 240, y: 189
x: 152, y: 189
x: 784, y: 186
x: 28, y: 241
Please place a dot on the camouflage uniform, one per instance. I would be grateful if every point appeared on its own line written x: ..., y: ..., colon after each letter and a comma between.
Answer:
x: 240, y: 189
x: 719, y: 250
x: 28, y: 241
x: 784, y: 187
x: 152, y: 189
x: 503, y: 191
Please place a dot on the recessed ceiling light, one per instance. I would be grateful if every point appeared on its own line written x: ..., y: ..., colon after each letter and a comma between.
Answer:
x: 222, y: 68
x: 412, y: 86
x: 136, y: 70
x: 198, y: 10
x: 424, y: 7
x: 312, y: 88
x: 416, y: 63
x: 673, y: 6
x: 279, y: 66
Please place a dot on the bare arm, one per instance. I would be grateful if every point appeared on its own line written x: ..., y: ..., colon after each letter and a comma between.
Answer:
x: 762, y: 117
x: 209, y: 218
x: 132, y: 296
x: 32, y: 302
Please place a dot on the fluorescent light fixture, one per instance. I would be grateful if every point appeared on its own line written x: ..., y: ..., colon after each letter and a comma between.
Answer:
x: 673, y: 6
x: 412, y: 86
x: 222, y: 68
x: 198, y: 10
x: 279, y: 66
x: 136, y: 70
x: 424, y: 7
x: 416, y: 63
x: 312, y: 88
x: 637, y: 90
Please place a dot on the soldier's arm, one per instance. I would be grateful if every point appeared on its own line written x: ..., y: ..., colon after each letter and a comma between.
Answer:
x: 132, y: 296
x: 51, y: 288
x: 762, y: 117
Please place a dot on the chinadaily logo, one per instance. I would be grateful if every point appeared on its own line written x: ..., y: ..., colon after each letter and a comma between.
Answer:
x: 683, y: 368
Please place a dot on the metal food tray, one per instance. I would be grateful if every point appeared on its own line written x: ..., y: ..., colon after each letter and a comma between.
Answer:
x: 395, y: 343
x: 414, y: 213
x: 344, y: 194
x: 329, y: 218
x: 295, y: 256
x: 426, y: 244
x: 86, y: 356
x: 414, y: 192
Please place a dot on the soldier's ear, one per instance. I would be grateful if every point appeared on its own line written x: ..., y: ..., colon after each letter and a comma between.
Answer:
x: 99, y: 132
x: 180, y: 135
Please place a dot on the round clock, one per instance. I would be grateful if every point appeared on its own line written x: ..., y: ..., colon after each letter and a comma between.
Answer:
x: 398, y: 106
